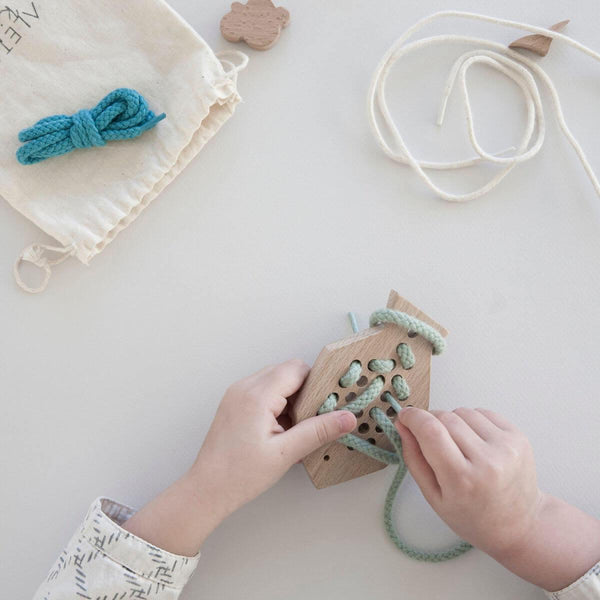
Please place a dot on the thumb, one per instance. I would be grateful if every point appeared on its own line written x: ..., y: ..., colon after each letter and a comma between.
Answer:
x: 310, y: 434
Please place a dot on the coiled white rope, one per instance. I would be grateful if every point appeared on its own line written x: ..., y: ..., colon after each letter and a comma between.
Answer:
x: 508, y: 62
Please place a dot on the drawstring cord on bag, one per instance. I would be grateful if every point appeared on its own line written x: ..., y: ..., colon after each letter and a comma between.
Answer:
x: 233, y: 68
x: 36, y: 254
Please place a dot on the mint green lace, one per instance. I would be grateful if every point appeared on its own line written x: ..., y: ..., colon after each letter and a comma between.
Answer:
x: 371, y: 392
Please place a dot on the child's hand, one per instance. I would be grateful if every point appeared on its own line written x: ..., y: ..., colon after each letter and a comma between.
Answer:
x: 476, y: 470
x: 246, y: 451
x: 478, y: 473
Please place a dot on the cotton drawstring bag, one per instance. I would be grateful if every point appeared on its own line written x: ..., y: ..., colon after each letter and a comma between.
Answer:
x: 61, y: 56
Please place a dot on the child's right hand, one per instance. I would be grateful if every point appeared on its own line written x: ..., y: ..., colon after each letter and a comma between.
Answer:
x: 476, y: 470
x: 478, y: 473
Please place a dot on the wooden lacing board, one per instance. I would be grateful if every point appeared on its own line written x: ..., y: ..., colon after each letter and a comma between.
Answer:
x: 335, y: 463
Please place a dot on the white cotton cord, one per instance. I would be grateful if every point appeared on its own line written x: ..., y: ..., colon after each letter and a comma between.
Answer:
x: 511, y: 64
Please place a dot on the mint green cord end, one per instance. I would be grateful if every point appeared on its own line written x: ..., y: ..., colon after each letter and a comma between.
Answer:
x: 353, y: 323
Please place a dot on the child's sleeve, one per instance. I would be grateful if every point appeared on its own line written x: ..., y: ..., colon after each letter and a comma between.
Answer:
x: 102, y: 560
x: 587, y: 587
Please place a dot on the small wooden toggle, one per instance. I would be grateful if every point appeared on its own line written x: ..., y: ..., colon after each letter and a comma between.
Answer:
x: 538, y: 43
x: 258, y: 23
x: 334, y: 462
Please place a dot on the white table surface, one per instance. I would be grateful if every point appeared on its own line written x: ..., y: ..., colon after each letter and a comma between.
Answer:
x: 288, y: 218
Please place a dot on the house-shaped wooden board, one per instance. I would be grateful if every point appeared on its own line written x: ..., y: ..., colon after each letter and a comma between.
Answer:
x: 335, y: 463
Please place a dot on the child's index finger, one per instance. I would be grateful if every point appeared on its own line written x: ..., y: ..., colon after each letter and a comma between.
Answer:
x: 284, y: 379
x: 437, y: 446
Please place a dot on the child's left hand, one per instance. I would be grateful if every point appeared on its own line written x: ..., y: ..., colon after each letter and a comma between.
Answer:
x: 246, y: 451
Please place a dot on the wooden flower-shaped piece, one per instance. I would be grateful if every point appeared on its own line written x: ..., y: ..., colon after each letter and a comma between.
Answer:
x: 258, y: 23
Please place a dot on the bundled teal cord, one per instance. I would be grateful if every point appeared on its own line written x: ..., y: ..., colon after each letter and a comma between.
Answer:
x: 372, y: 391
x: 122, y: 115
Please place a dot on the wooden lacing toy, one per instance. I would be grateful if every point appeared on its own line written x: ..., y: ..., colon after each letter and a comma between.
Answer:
x: 380, y: 342
x: 374, y: 373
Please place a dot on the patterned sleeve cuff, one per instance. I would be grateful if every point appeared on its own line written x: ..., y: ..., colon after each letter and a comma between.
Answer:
x: 102, y: 529
x: 587, y: 587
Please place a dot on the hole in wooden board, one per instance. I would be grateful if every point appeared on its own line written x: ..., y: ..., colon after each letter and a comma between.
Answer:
x: 349, y: 447
x: 390, y: 412
x: 362, y: 381
x: 359, y: 414
x: 378, y: 429
x: 326, y: 457
x: 363, y: 428
x: 372, y: 441
x: 351, y: 396
x: 412, y: 334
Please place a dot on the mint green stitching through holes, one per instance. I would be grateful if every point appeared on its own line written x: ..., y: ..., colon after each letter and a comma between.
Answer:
x: 371, y: 392
x: 360, y: 402
x: 382, y: 365
x: 352, y: 375
x: 387, y: 315
x: 401, y: 387
x: 387, y: 456
x: 405, y: 353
